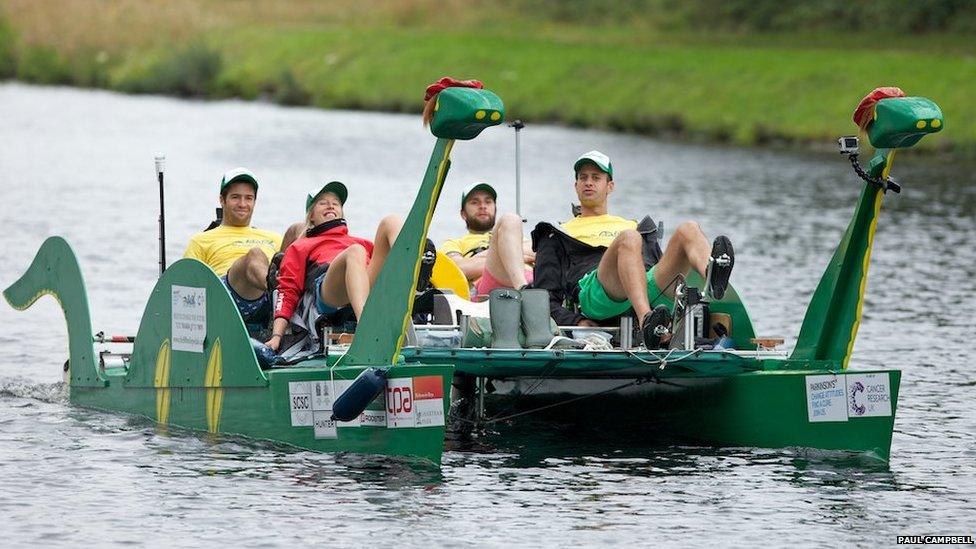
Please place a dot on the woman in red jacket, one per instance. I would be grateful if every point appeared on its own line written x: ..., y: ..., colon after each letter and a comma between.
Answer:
x: 344, y: 267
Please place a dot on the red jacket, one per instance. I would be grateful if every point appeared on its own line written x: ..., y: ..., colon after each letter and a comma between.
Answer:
x: 326, y: 242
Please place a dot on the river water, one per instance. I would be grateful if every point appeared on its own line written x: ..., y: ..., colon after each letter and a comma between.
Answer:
x: 80, y: 164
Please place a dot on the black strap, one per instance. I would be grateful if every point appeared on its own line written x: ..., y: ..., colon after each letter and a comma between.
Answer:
x: 322, y: 227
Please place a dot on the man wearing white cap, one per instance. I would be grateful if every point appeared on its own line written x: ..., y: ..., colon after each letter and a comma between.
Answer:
x: 620, y: 281
x: 491, y: 255
x: 236, y: 251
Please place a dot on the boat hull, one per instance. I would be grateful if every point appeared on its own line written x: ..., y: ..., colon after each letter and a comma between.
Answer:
x: 755, y: 409
x: 295, y: 409
x: 718, y: 398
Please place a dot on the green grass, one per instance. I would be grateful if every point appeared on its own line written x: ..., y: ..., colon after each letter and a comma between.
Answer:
x: 757, y: 92
x: 784, y: 88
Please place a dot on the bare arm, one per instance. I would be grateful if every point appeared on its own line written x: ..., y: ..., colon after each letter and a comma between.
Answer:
x: 472, y: 267
x: 277, y: 330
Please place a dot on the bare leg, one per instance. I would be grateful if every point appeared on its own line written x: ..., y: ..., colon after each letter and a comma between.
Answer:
x: 505, y: 259
x: 248, y: 275
x: 687, y: 249
x: 346, y: 281
x: 386, y: 235
x: 294, y: 232
x: 621, y: 271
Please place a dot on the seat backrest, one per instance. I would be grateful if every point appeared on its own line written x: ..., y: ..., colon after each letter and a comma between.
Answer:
x: 448, y: 276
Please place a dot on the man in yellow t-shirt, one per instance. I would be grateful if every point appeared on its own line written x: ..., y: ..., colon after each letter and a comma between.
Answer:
x: 491, y: 255
x: 620, y: 282
x: 238, y: 253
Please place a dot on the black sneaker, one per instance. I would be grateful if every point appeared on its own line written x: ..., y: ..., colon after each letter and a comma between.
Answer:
x: 654, y: 326
x: 719, y: 267
x: 426, y: 267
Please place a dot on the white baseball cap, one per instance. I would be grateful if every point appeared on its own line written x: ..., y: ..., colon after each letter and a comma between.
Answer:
x: 601, y: 160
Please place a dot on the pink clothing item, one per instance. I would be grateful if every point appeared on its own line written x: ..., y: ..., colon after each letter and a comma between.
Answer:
x: 487, y: 283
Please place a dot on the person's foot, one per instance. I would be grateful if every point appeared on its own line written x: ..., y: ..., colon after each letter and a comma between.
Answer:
x: 273, y: 267
x: 655, y: 326
x: 719, y: 267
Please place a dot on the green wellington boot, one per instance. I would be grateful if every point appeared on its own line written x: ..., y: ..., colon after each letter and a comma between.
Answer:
x: 536, y: 322
x: 505, y: 309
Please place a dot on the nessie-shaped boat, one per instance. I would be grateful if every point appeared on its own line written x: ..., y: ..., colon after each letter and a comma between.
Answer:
x: 192, y: 364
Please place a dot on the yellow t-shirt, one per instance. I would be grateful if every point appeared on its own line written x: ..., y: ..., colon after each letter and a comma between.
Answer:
x: 221, y: 246
x: 466, y: 244
x: 597, y: 230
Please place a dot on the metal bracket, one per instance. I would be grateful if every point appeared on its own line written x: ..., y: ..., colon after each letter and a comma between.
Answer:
x: 886, y: 184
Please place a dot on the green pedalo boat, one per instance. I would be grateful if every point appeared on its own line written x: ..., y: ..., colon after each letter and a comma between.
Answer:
x: 192, y: 364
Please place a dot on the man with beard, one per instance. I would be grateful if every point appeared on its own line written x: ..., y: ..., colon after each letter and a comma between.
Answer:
x: 491, y: 255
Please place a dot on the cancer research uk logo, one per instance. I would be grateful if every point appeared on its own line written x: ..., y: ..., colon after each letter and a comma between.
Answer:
x: 868, y: 395
x: 857, y: 409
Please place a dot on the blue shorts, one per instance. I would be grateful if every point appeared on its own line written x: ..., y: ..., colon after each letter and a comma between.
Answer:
x: 322, y: 307
x: 257, y: 311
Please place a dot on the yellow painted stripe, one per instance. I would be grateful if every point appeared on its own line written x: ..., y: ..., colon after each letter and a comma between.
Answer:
x: 864, y: 279
x: 441, y: 175
x: 215, y: 393
x: 888, y: 162
x: 161, y: 382
x: 867, y: 261
x: 32, y: 300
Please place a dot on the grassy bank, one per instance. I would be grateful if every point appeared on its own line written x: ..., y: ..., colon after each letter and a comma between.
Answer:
x: 768, y: 87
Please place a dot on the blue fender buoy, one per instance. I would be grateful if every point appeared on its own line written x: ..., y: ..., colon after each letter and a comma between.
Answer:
x: 367, y: 386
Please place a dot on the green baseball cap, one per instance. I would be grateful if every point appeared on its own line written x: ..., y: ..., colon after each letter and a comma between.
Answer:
x: 335, y: 187
x: 238, y: 175
x: 601, y: 161
x: 477, y: 186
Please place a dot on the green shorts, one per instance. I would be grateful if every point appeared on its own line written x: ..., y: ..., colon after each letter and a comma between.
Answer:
x: 597, y: 305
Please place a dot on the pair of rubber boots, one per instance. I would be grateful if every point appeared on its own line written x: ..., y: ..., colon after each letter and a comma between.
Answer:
x: 520, y: 318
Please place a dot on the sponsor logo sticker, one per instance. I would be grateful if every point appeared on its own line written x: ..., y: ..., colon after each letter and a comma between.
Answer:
x: 826, y: 398
x: 323, y: 424
x: 188, y: 319
x: 300, y: 401
x: 399, y: 403
x: 868, y: 395
x: 428, y: 395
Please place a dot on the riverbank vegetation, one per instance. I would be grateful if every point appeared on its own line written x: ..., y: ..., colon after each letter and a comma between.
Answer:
x: 737, y: 71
